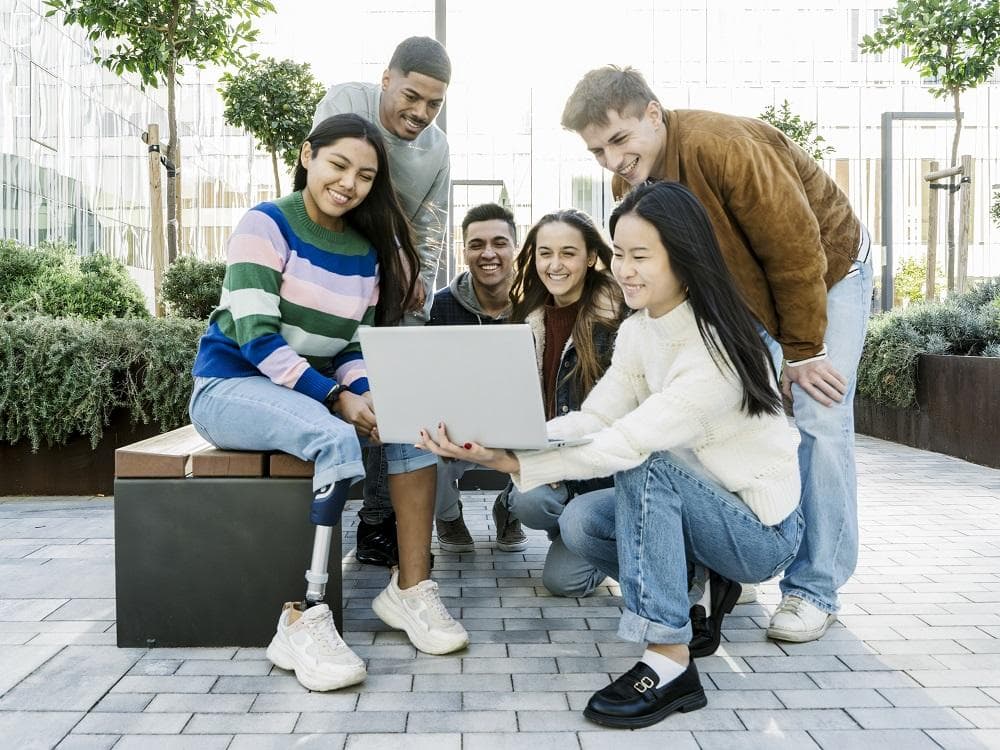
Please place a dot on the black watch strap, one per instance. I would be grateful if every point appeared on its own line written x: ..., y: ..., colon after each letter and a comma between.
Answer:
x: 334, y: 394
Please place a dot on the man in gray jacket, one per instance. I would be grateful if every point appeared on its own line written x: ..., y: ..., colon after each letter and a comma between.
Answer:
x: 403, y: 106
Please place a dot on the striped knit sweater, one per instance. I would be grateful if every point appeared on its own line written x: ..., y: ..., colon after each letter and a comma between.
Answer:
x: 293, y: 299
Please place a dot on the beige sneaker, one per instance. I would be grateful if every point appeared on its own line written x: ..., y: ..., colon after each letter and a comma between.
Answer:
x: 454, y: 536
x: 797, y: 621
x: 420, y: 612
x: 748, y: 594
x: 308, y: 644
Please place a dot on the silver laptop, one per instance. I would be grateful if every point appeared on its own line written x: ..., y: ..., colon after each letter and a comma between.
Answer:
x: 481, y: 381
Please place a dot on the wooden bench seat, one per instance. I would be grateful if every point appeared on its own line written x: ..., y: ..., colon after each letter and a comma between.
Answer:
x: 210, y: 543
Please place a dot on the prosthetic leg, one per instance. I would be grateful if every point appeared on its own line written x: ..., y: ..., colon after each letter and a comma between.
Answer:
x: 327, y: 507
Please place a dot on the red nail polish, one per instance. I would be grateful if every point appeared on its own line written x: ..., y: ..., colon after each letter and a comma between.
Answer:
x: 468, y: 446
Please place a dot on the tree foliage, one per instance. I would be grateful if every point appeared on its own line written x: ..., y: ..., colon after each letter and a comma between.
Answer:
x: 802, y: 132
x: 156, y: 39
x: 274, y: 100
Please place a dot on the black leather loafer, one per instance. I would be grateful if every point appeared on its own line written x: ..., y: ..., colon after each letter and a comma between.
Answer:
x: 706, y: 631
x: 633, y: 700
x: 376, y: 543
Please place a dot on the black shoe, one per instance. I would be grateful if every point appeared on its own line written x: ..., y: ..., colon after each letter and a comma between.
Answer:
x: 706, y: 631
x: 376, y: 543
x: 633, y: 700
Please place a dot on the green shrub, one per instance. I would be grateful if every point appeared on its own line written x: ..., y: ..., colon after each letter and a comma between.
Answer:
x: 61, y: 377
x: 191, y: 287
x: 52, y: 279
x: 965, y: 324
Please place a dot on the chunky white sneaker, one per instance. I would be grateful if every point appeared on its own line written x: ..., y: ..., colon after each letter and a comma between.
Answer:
x: 420, y: 612
x: 308, y: 644
x: 748, y: 594
x: 798, y: 621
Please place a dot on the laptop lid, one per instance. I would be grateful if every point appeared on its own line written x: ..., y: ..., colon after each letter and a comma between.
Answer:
x: 481, y: 381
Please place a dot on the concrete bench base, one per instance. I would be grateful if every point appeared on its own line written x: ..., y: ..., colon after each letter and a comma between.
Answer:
x: 209, y: 561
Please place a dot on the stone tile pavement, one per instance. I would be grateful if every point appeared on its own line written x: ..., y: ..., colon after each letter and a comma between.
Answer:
x: 914, y: 662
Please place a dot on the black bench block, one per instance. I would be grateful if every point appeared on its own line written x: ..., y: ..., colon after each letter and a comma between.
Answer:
x: 209, y: 562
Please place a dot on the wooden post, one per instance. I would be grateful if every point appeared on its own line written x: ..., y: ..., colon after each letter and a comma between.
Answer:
x: 156, y: 248
x: 964, y: 211
x: 932, y: 236
x: 178, y: 206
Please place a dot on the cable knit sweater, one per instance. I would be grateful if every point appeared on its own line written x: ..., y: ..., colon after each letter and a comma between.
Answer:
x: 664, y: 392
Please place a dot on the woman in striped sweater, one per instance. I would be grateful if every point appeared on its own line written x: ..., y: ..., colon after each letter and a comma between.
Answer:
x: 281, y: 368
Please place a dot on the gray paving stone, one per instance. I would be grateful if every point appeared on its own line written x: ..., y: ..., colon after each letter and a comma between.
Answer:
x: 796, y: 718
x: 464, y: 682
x: 744, y: 740
x: 418, y: 701
x: 132, y: 723
x: 961, y: 739
x: 20, y: 661
x: 24, y: 731
x: 405, y: 742
x: 773, y: 681
x: 362, y: 722
x: 178, y: 742
x: 123, y: 702
x: 510, y: 665
x: 514, y: 741
x: 155, y: 667
x: 211, y: 703
x: 462, y: 721
x: 857, y: 739
x: 164, y: 684
x: 833, y: 698
x: 288, y: 742
x: 310, y: 702
x: 926, y: 717
x: 28, y: 610
x: 646, y: 739
x: 516, y: 701
x: 88, y: 742
x: 220, y: 667
x: 763, y: 664
x: 983, y: 718
x: 73, y: 679
x: 230, y: 723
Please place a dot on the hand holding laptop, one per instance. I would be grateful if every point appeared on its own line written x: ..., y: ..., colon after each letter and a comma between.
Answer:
x: 491, y: 458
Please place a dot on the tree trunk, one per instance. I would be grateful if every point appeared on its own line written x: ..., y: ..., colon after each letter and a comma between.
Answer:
x: 277, y: 178
x: 950, y: 227
x: 932, y: 235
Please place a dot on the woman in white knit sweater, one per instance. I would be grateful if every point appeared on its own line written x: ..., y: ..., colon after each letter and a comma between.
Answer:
x: 689, y: 421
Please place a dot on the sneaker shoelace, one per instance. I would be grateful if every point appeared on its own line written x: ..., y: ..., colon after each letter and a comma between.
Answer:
x: 429, y: 595
x: 789, y: 605
x: 324, y: 632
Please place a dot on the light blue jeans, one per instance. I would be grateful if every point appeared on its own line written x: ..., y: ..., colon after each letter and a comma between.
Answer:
x: 255, y: 414
x: 659, y: 519
x: 829, y: 551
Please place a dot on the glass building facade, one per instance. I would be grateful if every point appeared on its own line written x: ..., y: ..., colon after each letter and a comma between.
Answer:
x: 72, y: 165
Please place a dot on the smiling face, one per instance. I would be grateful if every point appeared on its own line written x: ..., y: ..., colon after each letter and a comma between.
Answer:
x: 630, y: 146
x: 641, y: 266
x: 410, y: 102
x: 562, y: 260
x: 339, y: 177
x: 489, y: 254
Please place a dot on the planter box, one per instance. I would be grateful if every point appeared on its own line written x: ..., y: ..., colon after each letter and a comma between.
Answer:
x: 71, y: 469
x: 958, y: 410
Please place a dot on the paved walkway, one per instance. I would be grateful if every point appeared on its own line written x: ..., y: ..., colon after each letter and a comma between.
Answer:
x: 915, y: 662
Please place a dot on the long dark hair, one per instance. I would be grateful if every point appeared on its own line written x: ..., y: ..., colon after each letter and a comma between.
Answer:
x: 695, y: 259
x: 378, y: 217
x: 600, y: 303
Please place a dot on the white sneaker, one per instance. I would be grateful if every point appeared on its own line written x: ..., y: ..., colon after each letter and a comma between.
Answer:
x: 798, y: 621
x: 308, y: 644
x: 420, y: 612
x: 748, y: 594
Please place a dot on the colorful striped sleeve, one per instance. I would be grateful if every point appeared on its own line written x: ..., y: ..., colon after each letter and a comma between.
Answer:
x: 256, y: 259
x: 349, y: 364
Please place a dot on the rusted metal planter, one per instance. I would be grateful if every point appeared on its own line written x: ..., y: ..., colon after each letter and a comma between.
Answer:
x: 957, y: 413
x: 71, y: 469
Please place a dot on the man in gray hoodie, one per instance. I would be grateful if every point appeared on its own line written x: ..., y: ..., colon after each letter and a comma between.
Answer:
x: 477, y: 296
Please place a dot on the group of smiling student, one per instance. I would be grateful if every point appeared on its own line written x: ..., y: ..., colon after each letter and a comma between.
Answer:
x: 736, y: 267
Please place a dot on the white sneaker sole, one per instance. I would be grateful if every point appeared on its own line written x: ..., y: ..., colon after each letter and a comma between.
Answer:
x: 422, y: 640
x: 283, y: 658
x: 512, y: 547
x: 748, y: 595
x: 452, y: 547
x: 801, y: 636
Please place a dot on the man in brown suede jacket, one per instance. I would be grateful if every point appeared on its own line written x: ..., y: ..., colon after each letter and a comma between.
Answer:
x: 799, y: 255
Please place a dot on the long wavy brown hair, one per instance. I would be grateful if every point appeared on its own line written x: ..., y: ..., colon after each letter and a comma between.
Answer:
x: 600, y: 304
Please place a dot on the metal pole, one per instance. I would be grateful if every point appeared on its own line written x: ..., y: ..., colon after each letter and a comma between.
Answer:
x: 887, y: 119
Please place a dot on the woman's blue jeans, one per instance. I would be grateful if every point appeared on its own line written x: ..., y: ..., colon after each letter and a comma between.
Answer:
x: 658, y: 518
x: 255, y: 414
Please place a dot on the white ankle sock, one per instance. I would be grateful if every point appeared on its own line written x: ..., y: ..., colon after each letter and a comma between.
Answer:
x: 665, y: 667
x: 706, y: 598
